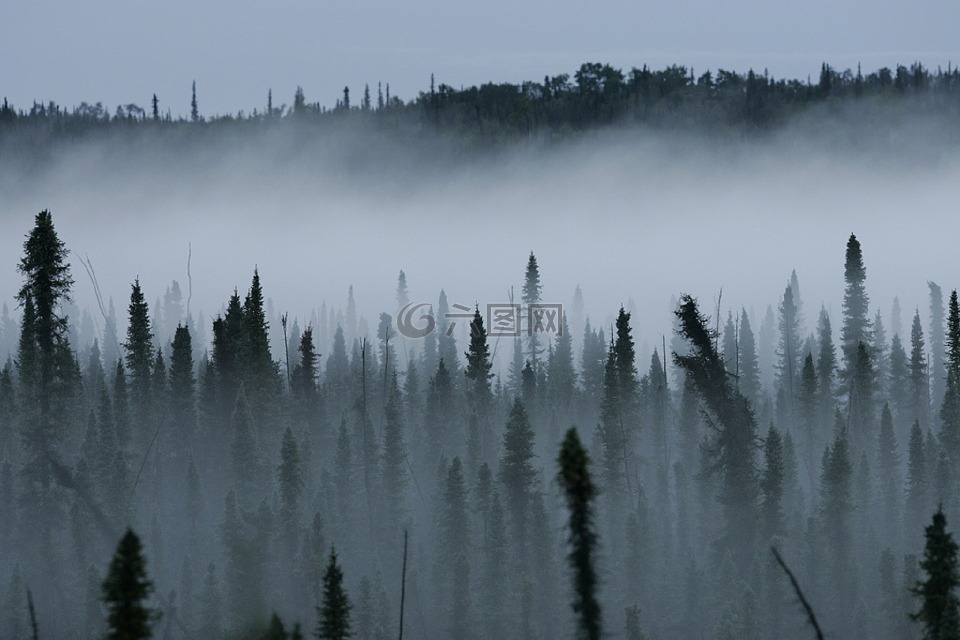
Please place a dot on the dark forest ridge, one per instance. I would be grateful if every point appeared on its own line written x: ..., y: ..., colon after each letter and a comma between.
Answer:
x: 595, y: 95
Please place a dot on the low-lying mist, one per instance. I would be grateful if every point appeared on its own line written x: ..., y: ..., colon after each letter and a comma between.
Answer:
x: 633, y: 217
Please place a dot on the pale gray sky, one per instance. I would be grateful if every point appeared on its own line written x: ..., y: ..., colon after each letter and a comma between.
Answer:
x: 121, y: 52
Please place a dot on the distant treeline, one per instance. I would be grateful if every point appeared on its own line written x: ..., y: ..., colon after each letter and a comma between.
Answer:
x: 596, y: 95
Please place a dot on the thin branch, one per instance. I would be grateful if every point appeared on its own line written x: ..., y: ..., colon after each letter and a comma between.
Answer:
x: 811, y: 618
x: 34, y: 629
x: 286, y: 346
x: 189, y: 277
x: 403, y: 582
x: 88, y: 267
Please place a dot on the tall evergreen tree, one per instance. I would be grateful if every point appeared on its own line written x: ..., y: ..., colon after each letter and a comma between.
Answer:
x: 888, y: 468
x: 48, y: 377
x: 655, y: 398
x: 734, y: 425
x: 836, y: 506
x: 766, y: 346
x: 495, y: 570
x: 182, y: 389
x: 121, y: 407
x: 861, y: 402
x: 478, y: 372
x: 454, y: 539
x: 403, y: 294
x: 917, y: 477
x: 334, y: 613
x: 28, y: 356
x: 898, y: 380
x: 939, y: 607
x: 125, y: 590
x: 808, y: 407
x: 625, y: 361
x: 612, y: 431
x: 919, y: 386
x: 139, y: 348
x: 771, y: 484
x: 593, y: 356
x: 856, y: 322
x: 303, y: 380
x: 574, y: 477
x: 938, y: 372
x: 225, y: 360
x: 244, y: 454
x: 439, y: 414
x: 385, y: 336
x: 826, y: 362
x: 950, y: 408
x: 337, y: 371
x: 749, y: 372
x: 789, y: 353
x: 47, y: 284
x: 562, y: 377
x: 260, y: 373
x: 731, y: 347
x: 393, y: 471
x: 517, y: 473
x: 880, y: 352
x: 531, y: 296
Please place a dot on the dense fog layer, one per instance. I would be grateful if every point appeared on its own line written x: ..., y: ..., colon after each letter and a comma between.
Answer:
x: 631, y: 219
x: 627, y: 216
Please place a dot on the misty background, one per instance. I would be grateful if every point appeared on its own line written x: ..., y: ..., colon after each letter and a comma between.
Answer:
x: 318, y: 214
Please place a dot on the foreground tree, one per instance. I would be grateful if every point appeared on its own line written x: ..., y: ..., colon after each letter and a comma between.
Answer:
x: 125, y: 590
x: 334, y: 613
x: 44, y: 351
x: 856, y: 322
x: 732, y: 419
x: 574, y: 478
x: 183, y: 414
x: 950, y: 408
x: 139, y: 357
x: 939, y: 605
x: 478, y: 373
x: 48, y: 378
x: 46, y: 286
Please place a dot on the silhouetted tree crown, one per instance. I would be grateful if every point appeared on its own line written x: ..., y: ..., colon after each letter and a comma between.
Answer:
x: 125, y: 591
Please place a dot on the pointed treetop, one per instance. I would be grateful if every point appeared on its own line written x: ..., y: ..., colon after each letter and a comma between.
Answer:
x: 531, y: 285
x: 854, y: 271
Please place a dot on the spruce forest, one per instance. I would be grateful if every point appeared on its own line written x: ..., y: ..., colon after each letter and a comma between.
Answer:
x: 275, y: 464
